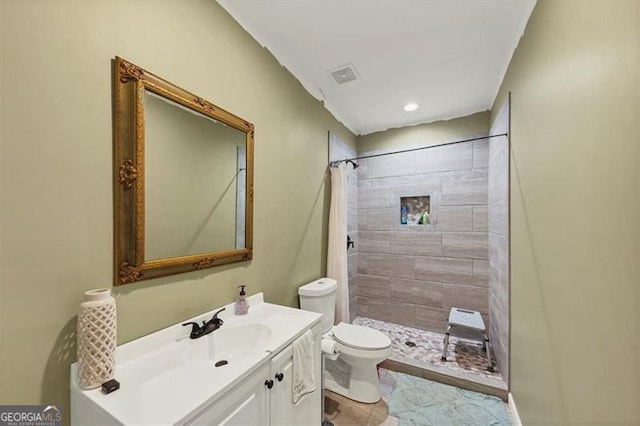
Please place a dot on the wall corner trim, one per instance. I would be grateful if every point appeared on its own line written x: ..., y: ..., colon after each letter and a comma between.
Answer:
x: 515, y: 417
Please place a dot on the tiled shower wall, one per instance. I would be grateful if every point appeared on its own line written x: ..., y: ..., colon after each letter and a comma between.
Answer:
x: 338, y: 150
x: 499, y: 242
x: 413, y: 275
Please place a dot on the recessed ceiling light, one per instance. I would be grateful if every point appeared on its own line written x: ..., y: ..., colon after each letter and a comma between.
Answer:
x: 410, y: 107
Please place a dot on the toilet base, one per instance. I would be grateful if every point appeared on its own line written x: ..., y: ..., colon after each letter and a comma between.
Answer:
x: 359, y: 383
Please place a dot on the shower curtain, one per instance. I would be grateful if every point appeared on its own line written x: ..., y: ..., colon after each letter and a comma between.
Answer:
x: 337, y: 250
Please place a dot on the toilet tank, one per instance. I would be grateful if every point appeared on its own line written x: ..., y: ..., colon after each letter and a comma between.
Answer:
x: 320, y: 296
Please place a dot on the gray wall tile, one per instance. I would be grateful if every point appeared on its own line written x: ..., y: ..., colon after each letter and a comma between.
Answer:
x: 498, y: 213
x: 445, y: 270
x: 352, y: 220
x: 362, y: 263
x: 498, y: 221
x: 465, y: 244
x: 353, y: 287
x: 499, y: 249
x: 353, y: 297
x: 373, y: 197
x: 481, y: 153
x: 499, y: 310
x: 404, y: 314
x: 415, y: 243
x: 374, y: 241
x: 362, y: 170
x: 417, y: 292
x: 353, y: 308
x: 363, y: 307
x: 481, y: 273
x: 433, y: 319
x: 352, y: 265
x: 376, y: 309
x: 465, y: 297
x: 501, y: 354
x: 391, y: 165
x: 363, y: 219
x: 498, y: 146
x: 498, y: 177
x: 443, y: 158
x: 481, y: 218
x: 380, y: 219
x: 455, y: 218
x: 465, y: 191
x: 391, y: 265
x: 374, y: 287
x: 398, y: 313
x: 401, y: 268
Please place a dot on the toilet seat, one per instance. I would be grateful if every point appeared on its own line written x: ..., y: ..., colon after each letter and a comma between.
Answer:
x: 360, y: 337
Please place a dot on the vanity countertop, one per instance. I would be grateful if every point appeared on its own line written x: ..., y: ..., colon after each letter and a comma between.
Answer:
x: 166, y: 378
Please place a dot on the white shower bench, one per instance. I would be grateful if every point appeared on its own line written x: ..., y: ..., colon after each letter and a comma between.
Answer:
x: 472, y: 320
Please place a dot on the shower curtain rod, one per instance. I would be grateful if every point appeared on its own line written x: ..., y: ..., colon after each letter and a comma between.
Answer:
x: 351, y: 160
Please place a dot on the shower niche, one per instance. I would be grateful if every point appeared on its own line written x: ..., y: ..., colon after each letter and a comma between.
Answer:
x: 415, y: 210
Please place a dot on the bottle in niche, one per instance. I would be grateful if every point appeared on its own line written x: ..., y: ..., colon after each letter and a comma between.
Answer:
x: 242, y: 306
x: 404, y: 214
x: 424, y: 219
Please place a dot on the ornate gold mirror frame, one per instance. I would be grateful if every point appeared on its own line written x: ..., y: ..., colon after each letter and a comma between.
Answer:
x: 130, y: 265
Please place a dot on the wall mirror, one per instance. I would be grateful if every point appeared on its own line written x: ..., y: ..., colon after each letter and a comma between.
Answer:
x: 183, y: 170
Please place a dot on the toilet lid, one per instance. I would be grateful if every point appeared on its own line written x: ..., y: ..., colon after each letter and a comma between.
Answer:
x: 360, y: 337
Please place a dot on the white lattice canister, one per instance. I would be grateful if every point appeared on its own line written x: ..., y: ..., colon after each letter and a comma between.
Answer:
x: 96, y: 338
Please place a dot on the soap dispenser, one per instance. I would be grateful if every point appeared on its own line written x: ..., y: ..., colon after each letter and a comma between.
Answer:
x: 242, y: 306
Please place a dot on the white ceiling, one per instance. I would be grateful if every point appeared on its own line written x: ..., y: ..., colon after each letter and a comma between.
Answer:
x: 449, y: 57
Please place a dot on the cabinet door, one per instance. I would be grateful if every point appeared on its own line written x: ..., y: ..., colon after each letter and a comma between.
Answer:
x: 245, y: 404
x: 283, y: 410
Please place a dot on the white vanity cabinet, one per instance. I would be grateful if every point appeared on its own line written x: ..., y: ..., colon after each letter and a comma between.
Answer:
x: 246, y: 404
x: 265, y: 398
x: 240, y: 374
x: 283, y: 411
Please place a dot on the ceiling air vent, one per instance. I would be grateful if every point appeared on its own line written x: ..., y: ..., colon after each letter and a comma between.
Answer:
x: 344, y: 74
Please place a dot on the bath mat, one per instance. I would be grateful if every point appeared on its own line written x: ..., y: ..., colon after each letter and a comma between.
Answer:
x: 421, y: 402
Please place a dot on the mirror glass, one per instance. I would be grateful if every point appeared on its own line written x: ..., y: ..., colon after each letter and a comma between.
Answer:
x: 195, y: 181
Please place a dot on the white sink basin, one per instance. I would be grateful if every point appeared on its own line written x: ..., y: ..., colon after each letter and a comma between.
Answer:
x: 183, y: 358
x: 228, y: 343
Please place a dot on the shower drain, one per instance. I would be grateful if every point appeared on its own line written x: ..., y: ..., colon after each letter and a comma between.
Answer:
x: 410, y: 343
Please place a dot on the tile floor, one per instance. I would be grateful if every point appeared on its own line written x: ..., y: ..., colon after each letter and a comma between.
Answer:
x: 342, y: 411
x: 465, y: 358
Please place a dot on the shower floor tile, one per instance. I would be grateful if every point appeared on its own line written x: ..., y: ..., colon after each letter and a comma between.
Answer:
x: 465, y: 359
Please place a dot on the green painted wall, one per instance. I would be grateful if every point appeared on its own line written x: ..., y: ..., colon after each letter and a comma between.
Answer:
x: 575, y: 203
x: 426, y: 134
x: 56, y: 132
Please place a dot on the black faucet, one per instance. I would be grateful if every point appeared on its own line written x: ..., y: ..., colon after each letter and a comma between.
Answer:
x: 207, y: 327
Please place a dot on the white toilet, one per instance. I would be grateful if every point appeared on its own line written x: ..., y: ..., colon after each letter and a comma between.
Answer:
x: 352, y: 371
